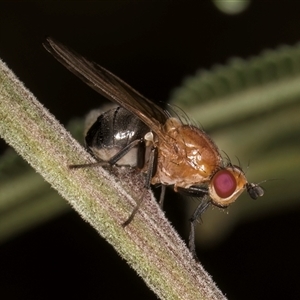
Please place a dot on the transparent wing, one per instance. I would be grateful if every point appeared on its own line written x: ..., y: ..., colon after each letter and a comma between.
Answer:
x: 109, y: 85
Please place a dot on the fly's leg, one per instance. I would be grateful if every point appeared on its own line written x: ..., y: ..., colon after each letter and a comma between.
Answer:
x: 200, y: 191
x: 140, y: 163
x: 149, y: 175
x: 193, y: 220
x: 113, y: 160
x: 162, y: 196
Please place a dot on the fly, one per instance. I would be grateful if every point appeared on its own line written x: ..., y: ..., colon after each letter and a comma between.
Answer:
x: 143, y: 135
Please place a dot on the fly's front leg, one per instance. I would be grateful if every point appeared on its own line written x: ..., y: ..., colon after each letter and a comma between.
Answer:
x: 193, y: 220
x: 199, y: 191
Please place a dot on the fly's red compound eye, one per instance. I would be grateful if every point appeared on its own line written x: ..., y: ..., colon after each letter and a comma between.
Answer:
x: 224, y: 183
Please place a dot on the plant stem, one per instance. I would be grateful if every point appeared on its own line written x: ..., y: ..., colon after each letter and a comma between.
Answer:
x: 149, y: 243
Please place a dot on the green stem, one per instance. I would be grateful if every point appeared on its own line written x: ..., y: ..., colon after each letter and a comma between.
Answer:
x: 149, y: 244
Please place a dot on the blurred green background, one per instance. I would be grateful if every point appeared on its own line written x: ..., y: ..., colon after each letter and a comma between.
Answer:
x: 236, y: 73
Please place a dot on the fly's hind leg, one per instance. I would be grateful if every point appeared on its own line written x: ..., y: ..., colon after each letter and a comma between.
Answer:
x: 113, y: 160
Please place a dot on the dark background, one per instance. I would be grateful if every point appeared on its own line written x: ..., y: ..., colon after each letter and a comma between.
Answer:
x: 152, y: 46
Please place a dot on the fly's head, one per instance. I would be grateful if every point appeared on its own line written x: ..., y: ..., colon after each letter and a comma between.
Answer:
x: 228, y: 183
